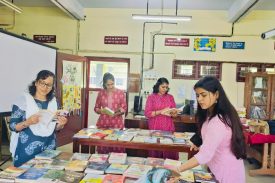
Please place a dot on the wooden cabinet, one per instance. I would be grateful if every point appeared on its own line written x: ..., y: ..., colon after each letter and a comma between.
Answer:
x: 259, y: 96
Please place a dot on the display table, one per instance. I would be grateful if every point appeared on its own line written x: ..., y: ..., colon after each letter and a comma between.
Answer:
x: 183, y: 123
x: 85, y: 145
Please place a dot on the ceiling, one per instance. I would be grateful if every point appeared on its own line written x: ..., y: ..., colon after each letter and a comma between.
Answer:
x: 166, y: 4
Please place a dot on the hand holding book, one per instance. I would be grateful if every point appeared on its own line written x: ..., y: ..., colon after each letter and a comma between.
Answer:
x: 170, y: 111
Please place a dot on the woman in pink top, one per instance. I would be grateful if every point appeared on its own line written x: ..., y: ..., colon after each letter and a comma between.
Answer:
x: 155, y: 110
x: 223, y: 145
x: 114, y: 99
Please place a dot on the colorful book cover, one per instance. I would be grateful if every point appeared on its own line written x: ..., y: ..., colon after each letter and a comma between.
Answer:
x: 155, y: 175
x: 98, y: 135
x: 116, y: 168
x: 151, y: 140
x: 48, y: 154
x: 100, y: 158
x: 117, y: 158
x: 64, y: 156
x: 76, y: 165
x: 205, y: 177
x: 80, y: 156
x: 166, y: 140
x: 96, y: 168
x: 52, y: 176
x: 135, y: 160
x: 187, y: 176
x: 92, y: 178
x: 108, y: 111
x: 42, y: 163
x: 139, y: 138
x: 10, y: 173
x: 171, y: 164
x: 136, y: 171
x: 126, y: 137
x: 71, y: 177
x: 109, y: 178
x: 57, y: 164
x: 154, y: 161
x: 85, y: 133
x: 160, y: 133
x: 31, y: 174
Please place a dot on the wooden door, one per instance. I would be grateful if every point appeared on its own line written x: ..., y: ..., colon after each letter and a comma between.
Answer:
x: 78, y: 117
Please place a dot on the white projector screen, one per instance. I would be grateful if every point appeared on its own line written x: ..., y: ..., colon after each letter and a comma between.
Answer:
x: 20, y: 61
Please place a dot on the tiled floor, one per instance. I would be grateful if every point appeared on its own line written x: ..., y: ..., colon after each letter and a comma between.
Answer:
x: 249, y: 179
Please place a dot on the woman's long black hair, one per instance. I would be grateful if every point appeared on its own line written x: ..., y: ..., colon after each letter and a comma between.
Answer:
x: 44, y: 74
x: 225, y: 111
x: 160, y: 81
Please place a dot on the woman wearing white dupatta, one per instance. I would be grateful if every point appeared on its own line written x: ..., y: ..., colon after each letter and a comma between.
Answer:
x: 29, y: 137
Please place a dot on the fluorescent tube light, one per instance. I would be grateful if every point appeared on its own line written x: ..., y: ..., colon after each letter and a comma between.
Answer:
x: 161, y: 17
x: 268, y: 34
x: 11, y: 5
x: 71, y: 7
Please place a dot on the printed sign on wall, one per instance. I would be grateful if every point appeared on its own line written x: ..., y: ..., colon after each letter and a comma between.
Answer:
x: 115, y: 39
x: 177, y: 42
x: 45, y: 38
x: 233, y: 45
x: 205, y: 44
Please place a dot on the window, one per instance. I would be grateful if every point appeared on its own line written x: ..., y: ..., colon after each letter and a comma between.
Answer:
x: 243, y: 68
x: 118, y: 67
x: 185, y: 69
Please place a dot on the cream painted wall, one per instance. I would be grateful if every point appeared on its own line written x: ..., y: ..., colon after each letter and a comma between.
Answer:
x: 118, y: 22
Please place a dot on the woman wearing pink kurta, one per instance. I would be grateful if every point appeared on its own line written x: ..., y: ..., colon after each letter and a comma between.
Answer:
x: 223, y: 144
x: 156, y: 105
x: 114, y: 99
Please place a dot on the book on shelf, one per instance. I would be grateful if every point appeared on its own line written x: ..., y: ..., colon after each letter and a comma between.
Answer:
x: 154, y: 161
x: 71, y: 177
x: 117, y: 158
x: 10, y: 173
x: 110, y: 178
x: 108, y: 111
x: 171, y: 164
x: 205, y: 177
x: 99, y: 158
x: 48, y: 154
x: 96, y: 168
x: 31, y: 175
x: 116, y: 168
x: 136, y: 170
x: 92, y: 178
x: 76, y: 165
x: 80, y: 156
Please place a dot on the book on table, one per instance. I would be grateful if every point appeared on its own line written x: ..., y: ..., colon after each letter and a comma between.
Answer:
x: 71, y: 177
x: 136, y: 170
x: 205, y: 177
x: 154, y: 161
x: 57, y: 164
x: 48, y: 154
x: 171, y: 164
x: 64, y: 156
x: 187, y: 176
x: 99, y: 158
x: 80, y: 156
x: 96, y: 168
x: 110, y: 178
x: 76, y: 165
x: 92, y: 178
x: 98, y: 135
x: 31, y: 175
x: 10, y: 173
x: 135, y: 160
x: 116, y: 168
x: 51, y: 176
x: 117, y: 158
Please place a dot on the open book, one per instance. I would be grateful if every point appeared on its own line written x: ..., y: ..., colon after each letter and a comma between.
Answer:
x: 108, y: 111
x: 169, y: 111
x: 47, y: 116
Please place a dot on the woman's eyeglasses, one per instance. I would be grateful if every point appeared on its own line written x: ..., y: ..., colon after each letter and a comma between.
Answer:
x: 43, y: 84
